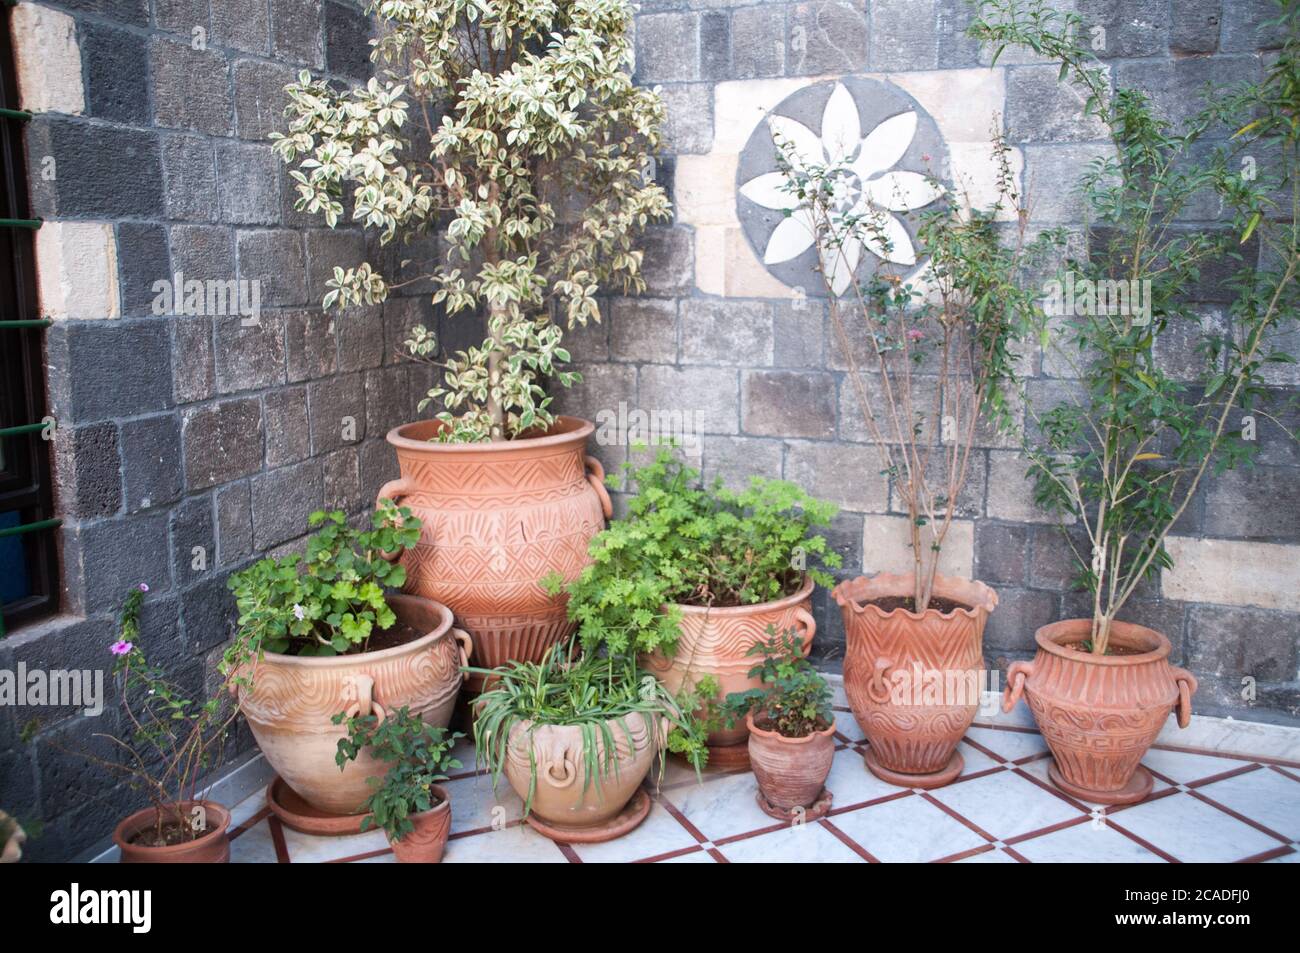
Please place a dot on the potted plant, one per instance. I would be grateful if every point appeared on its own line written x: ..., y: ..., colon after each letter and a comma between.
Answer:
x: 172, y: 741
x: 407, y: 803
x: 316, y: 633
x: 512, y: 133
x: 575, y: 735
x: 694, y: 575
x: 791, y: 729
x: 931, y: 356
x: 1125, y: 459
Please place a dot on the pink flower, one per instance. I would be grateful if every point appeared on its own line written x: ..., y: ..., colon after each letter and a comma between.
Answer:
x: 144, y: 587
x: 121, y: 647
x: 915, y: 335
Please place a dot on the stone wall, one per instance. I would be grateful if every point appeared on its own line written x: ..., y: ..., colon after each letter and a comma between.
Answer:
x: 190, y: 445
x: 747, y: 349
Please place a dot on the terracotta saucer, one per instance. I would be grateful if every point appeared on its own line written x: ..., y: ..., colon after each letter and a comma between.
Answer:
x: 286, y: 804
x: 924, y: 781
x: 1138, y: 787
x: 819, y: 808
x: 621, y: 823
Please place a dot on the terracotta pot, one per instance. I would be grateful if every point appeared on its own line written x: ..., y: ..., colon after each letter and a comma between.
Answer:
x: 1100, y: 714
x: 12, y: 852
x: 294, y: 699
x: 890, y: 660
x: 715, y: 641
x: 497, y: 518
x: 570, y: 806
x: 425, y: 844
x: 211, y: 848
x: 791, y: 772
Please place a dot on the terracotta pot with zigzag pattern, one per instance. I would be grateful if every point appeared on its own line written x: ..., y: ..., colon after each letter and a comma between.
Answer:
x: 716, y: 641
x: 914, y: 679
x: 1100, y: 713
x: 497, y: 518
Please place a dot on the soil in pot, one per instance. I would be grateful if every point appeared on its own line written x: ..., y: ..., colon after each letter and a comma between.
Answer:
x: 137, y: 838
x: 937, y: 603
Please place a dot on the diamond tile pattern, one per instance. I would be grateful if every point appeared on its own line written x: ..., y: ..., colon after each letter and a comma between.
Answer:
x: 1205, y: 806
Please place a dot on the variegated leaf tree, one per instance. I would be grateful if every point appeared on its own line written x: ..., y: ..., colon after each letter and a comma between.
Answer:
x: 512, y: 131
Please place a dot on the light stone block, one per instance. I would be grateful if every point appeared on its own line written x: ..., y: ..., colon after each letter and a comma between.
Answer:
x: 47, y: 60
x: 887, y: 546
x: 1233, y: 573
x: 76, y: 270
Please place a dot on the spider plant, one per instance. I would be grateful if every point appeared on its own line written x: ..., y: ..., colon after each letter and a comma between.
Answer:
x: 592, y: 692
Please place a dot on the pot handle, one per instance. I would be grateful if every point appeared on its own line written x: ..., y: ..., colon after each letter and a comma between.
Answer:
x: 1017, y: 672
x: 365, y: 703
x: 566, y: 765
x: 877, y: 690
x: 805, y: 619
x: 466, y: 645
x: 394, y: 490
x: 1187, y: 684
x: 596, y: 477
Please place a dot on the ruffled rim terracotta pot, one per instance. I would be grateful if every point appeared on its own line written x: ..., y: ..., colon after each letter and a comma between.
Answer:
x: 497, y: 518
x: 715, y: 641
x: 791, y: 772
x: 212, y: 848
x: 913, y: 679
x: 294, y: 699
x: 426, y: 843
x: 1100, y: 713
x: 569, y: 807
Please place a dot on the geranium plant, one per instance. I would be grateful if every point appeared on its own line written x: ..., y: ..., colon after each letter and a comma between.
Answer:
x: 329, y: 601
x: 172, y: 740
x: 931, y: 352
x: 795, y: 700
x: 683, y: 543
x: 418, y: 756
x: 1127, y: 456
x: 511, y: 130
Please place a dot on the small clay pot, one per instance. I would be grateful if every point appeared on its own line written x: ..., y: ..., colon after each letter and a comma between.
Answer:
x: 211, y: 848
x: 791, y: 772
x: 1100, y: 713
x: 425, y: 844
x: 888, y: 659
x: 716, y: 641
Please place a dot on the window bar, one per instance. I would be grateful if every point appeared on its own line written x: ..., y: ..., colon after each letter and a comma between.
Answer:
x: 32, y: 223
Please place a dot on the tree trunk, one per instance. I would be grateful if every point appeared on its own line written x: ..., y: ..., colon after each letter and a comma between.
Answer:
x: 494, y: 408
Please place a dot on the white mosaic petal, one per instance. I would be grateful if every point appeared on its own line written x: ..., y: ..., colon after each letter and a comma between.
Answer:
x: 790, y: 239
x: 841, y: 129
x: 885, y: 144
x: 902, y: 191
x: 843, y: 263
x: 899, y: 251
x: 803, y: 147
x: 770, y: 191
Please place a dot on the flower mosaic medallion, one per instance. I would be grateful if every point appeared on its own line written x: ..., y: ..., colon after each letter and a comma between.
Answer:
x: 888, y: 149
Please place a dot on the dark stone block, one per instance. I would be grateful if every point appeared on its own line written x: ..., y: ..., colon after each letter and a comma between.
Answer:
x: 311, y: 344
x: 338, y: 412
x: 249, y: 356
x: 288, y: 436
x: 151, y: 454
x: 1020, y: 613
x: 90, y: 471
x: 223, y: 442
x: 248, y: 184
x: 715, y: 45
x: 209, y: 613
x: 296, y: 32
x: 260, y: 98
x: 194, y: 540
x: 133, y: 12
x: 234, y: 523
x: 282, y: 501
x: 191, y: 178
x: 388, y: 400
x: 103, y: 171
x: 789, y: 404
x: 196, y: 377
x: 135, y: 380
x: 142, y: 261
x: 343, y: 481
x: 242, y: 24
x: 361, y: 338
x: 191, y: 88
x: 275, y: 260
x: 347, y: 41
x: 117, y: 73
x: 1001, y: 553
x: 114, y: 555
x: 1241, y: 642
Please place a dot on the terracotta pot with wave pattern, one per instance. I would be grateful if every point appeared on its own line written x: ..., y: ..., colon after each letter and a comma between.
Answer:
x: 892, y: 657
x: 1100, y: 713
x: 497, y: 518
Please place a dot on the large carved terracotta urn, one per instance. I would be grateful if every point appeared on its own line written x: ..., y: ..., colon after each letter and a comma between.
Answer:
x: 497, y: 518
x: 914, y: 679
x: 1100, y: 713
x: 293, y: 699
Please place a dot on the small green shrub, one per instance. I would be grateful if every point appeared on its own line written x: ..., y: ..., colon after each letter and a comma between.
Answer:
x: 795, y: 700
